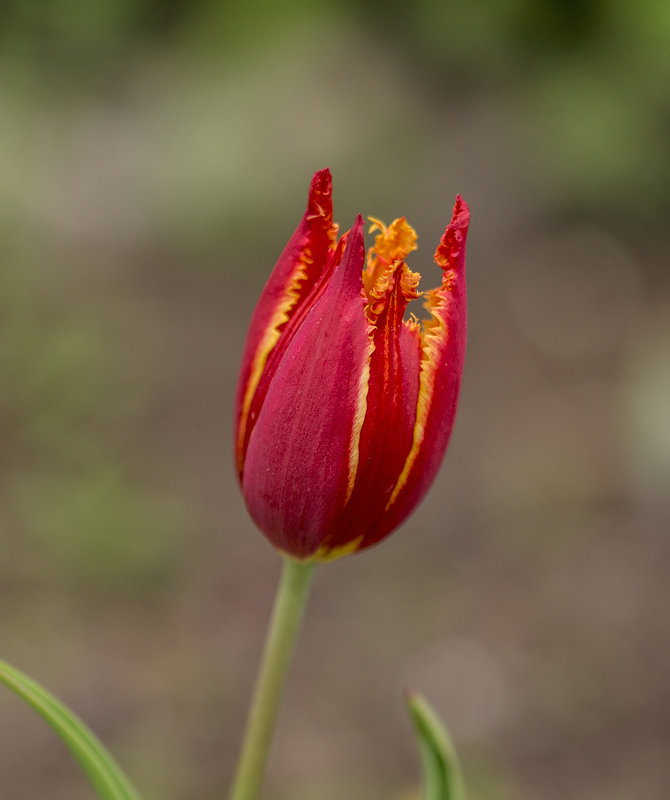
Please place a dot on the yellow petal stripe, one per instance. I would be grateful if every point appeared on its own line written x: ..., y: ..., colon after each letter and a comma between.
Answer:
x: 434, y: 334
x: 359, y: 417
x: 268, y: 343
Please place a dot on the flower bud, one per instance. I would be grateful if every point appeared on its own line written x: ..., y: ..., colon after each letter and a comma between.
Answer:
x: 344, y: 408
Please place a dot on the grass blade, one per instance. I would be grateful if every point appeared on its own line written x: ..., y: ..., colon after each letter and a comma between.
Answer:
x: 102, y: 770
x: 442, y: 778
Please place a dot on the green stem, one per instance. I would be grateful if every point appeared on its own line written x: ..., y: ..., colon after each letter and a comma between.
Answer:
x: 280, y: 642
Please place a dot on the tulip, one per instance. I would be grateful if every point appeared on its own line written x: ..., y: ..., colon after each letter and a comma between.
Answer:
x: 344, y: 408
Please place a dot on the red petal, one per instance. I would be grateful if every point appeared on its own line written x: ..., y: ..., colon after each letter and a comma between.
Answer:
x: 297, y: 271
x: 304, y: 446
x: 386, y: 436
x: 443, y: 354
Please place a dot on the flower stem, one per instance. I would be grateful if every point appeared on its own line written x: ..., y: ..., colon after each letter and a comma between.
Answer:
x: 281, y: 637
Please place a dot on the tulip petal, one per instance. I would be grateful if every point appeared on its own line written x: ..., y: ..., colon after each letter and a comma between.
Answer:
x: 386, y: 436
x: 302, y: 455
x: 442, y: 358
x: 293, y: 278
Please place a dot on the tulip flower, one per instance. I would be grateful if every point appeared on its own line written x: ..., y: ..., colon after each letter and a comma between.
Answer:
x: 344, y: 408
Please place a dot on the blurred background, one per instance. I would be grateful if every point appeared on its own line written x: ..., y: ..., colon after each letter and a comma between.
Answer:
x: 155, y: 159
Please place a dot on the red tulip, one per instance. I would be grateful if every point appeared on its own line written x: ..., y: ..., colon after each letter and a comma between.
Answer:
x: 344, y: 409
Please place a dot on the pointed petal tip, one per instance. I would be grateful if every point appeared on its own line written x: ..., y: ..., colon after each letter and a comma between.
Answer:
x: 350, y: 268
x: 320, y: 194
x: 322, y: 179
x: 450, y: 253
x: 355, y: 237
x: 460, y: 217
x: 355, y: 240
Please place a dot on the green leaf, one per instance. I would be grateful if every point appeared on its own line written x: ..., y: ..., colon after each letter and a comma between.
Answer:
x: 442, y: 778
x: 104, y: 773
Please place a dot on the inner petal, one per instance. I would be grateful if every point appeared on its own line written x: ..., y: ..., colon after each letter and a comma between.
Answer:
x: 392, y: 245
x: 386, y: 435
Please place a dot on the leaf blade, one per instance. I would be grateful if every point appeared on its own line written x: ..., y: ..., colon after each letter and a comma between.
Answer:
x: 442, y: 779
x: 104, y: 773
